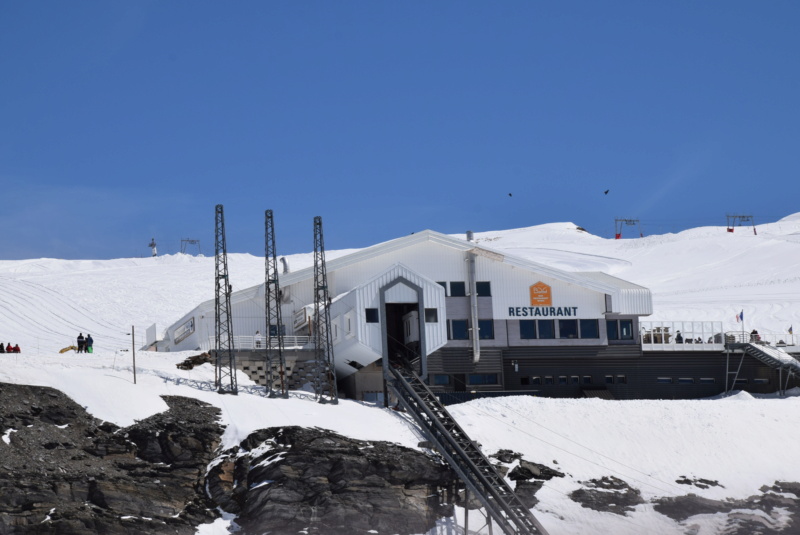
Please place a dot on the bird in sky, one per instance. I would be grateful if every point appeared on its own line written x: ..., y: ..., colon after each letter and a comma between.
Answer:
x: 606, y: 192
x: 510, y: 195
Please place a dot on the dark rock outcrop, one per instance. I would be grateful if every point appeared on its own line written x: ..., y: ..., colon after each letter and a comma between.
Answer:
x: 608, y: 494
x: 773, y: 512
x: 63, y: 471
x: 285, y: 480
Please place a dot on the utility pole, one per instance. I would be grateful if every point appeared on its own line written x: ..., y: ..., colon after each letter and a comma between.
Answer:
x: 272, y: 298
x: 325, y: 371
x: 225, y: 360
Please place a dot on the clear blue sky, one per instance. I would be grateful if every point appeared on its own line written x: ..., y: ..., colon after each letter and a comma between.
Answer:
x: 126, y: 121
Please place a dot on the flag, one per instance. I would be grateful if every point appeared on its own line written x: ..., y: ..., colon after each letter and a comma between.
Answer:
x: 790, y: 330
x: 740, y: 317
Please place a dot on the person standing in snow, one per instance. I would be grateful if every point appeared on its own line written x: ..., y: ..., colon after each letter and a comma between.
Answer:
x: 81, y: 341
x: 89, y: 341
x: 9, y: 349
x: 2, y: 348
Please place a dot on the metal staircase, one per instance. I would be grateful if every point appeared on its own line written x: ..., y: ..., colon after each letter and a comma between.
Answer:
x: 773, y: 357
x: 461, y: 453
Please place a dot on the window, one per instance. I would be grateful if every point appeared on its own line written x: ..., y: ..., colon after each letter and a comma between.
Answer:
x: 443, y: 285
x: 458, y: 289
x: 485, y: 330
x: 372, y: 397
x: 536, y: 380
x: 707, y: 380
x: 441, y: 380
x: 619, y: 329
x: 587, y: 379
x: 612, y: 329
x: 622, y: 380
x: 685, y: 380
x: 562, y: 379
x: 741, y: 381
x: 626, y: 329
x: 547, y: 329
x: 590, y: 329
x: 609, y: 379
x: 354, y: 364
x: 482, y: 379
x: 484, y: 288
x: 548, y: 379
x: 567, y: 328
x: 664, y: 380
x: 431, y: 315
x: 574, y: 380
x: 372, y: 315
x: 527, y: 329
x: 459, y: 330
x: 524, y: 381
x: 760, y: 381
x: 273, y: 330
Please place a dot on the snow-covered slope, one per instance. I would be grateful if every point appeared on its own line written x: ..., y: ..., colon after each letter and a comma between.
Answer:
x: 704, y: 274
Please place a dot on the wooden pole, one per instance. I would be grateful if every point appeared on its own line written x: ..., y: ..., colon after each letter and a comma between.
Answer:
x: 133, y: 346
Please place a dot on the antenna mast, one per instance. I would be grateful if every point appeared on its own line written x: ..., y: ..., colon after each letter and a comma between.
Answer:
x: 325, y: 373
x: 225, y: 368
x: 272, y: 297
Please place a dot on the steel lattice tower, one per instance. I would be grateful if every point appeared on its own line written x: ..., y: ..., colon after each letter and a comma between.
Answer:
x: 225, y: 368
x: 272, y: 298
x: 324, y: 373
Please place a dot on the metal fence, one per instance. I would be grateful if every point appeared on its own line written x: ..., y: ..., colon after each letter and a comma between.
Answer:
x: 249, y: 342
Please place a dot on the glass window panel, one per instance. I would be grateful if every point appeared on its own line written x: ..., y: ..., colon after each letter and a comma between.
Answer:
x: 431, y: 315
x: 527, y: 329
x: 460, y: 330
x: 547, y: 329
x: 372, y: 315
x: 484, y: 288
x: 485, y: 330
x: 482, y: 379
x: 612, y: 329
x: 567, y: 328
x: 626, y: 329
x: 590, y: 329
x: 458, y: 289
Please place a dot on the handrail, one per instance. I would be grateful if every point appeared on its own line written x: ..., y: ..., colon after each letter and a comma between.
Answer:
x: 248, y: 342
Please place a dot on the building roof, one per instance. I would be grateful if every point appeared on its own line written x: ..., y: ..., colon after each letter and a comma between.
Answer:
x: 627, y: 297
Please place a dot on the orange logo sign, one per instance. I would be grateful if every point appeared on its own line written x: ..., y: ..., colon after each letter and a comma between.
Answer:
x: 541, y: 295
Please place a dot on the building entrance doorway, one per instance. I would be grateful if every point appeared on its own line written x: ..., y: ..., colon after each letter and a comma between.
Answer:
x: 402, y: 331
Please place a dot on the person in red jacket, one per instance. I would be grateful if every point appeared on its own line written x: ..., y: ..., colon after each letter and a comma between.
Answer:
x: 17, y: 349
x: 9, y: 349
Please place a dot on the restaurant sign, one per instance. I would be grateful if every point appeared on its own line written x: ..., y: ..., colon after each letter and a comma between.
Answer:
x: 541, y: 298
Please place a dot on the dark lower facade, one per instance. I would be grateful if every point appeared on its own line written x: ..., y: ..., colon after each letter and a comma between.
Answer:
x: 611, y: 372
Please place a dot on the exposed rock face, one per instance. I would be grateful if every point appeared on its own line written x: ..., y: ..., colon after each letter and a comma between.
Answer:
x: 608, y: 494
x: 774, y: 512
x: 285, y: 480
x: 529, y: 477
x: 63, y: 471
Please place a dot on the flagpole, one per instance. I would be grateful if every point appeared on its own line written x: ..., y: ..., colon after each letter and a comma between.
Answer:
x: 741, y: 316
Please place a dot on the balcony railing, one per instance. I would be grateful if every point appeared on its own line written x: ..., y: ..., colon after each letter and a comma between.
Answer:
x: 682, y: 335
x: 701, y: 336
x: 249, y: 343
